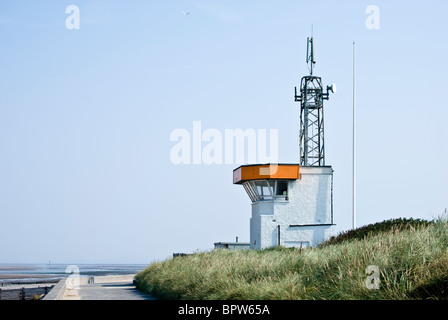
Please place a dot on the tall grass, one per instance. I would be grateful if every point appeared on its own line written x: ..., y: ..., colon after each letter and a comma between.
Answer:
x: 413, y: 264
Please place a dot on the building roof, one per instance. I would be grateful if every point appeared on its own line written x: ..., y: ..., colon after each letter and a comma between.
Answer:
x: 266, y: 171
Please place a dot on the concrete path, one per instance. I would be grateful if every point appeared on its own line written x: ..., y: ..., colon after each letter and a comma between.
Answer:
x: 107, y: 291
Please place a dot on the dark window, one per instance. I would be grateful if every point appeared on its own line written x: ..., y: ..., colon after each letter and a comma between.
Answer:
x: 282, y: 188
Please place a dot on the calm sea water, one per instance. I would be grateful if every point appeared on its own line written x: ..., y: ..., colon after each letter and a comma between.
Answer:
x: 43, y: 272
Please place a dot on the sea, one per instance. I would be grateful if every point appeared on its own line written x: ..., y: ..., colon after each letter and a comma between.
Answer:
x: 39, y: 273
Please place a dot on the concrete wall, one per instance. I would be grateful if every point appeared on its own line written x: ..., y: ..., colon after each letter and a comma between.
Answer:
x: 309, y: 203
x: 58, y: 291
x: 232, y: 245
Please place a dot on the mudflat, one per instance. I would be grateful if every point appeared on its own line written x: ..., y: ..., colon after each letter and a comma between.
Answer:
x: 17, y: 267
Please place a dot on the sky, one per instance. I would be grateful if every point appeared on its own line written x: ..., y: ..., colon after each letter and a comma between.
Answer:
x: 86, y: 116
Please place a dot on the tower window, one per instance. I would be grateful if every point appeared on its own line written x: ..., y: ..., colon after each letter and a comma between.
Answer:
x: 261, y: 190
x: 281, y: 189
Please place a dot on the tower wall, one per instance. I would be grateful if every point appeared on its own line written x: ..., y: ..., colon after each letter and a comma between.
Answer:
x: 305, y: 219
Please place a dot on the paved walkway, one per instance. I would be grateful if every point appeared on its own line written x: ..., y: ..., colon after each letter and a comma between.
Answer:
x: 124, y: 290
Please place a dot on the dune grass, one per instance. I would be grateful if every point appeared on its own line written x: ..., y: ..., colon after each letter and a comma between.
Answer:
x: 412, y: 261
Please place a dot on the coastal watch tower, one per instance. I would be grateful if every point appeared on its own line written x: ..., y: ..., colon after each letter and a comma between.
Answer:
x: 292, y: 204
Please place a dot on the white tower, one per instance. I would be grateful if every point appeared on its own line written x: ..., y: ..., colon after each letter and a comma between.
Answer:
x: 292, y: 204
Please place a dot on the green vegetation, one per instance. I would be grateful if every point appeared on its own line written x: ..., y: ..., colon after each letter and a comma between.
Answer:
x: 411, y: 256
x: 375, y: 228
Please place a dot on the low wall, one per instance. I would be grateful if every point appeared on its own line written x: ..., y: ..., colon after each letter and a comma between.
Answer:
x: 58, y: 291
x: 104, y: 279
x: 24, y: 293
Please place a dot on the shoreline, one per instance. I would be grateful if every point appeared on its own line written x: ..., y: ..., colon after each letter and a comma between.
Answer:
x: 38, y: 275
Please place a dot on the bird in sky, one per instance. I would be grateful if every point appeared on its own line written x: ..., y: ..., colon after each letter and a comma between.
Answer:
x: 185, y: 13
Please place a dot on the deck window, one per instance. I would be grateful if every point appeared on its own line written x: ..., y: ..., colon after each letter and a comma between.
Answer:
x: 267, y: 190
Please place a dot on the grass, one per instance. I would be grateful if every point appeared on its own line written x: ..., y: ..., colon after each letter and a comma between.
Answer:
x: 411, y: 256
x: 371, y: 229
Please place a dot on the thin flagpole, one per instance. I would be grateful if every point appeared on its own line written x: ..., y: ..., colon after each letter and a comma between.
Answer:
x: 354, y: 137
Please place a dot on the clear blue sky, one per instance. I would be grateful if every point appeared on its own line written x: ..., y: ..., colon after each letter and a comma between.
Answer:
x: 86, y: 117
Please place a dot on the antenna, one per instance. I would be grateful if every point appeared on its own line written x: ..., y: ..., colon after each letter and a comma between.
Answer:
x: 310, y: 53
x: 354, y: 137
x: 311, y: 98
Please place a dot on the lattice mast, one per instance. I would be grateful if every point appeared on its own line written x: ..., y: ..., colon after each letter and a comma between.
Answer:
x: 311, y: 98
